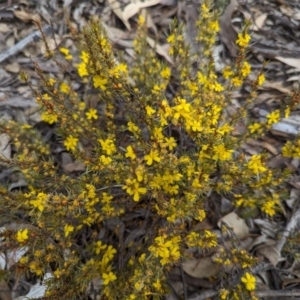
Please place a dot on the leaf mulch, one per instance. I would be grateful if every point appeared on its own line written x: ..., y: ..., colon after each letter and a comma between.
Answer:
x: 275, y: 38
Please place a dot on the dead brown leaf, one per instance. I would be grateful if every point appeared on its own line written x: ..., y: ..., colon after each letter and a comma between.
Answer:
x: 205, y: 224
x: 290, y: 61
x: 160, y: 49
x: 5, y: 146
x: 191, y: 29
x: 201, y: 268
x: 237, y: 224
x: 276, y: 85
x: 27, y: 17
x: 264, y: 144
x: 5, y: 291
x: 277, y: 162
x: 285, y: 9
x: 227, y: 33
x: 13, y: 67
x: 74, y: 167
x: 149, y: 20
x: 270, y: 253
x: 288, y: 281
x: 267, y: 228
x: 4, y: 28
x: 130, y: 9
x: 259, y: 22
x: 294, y: 196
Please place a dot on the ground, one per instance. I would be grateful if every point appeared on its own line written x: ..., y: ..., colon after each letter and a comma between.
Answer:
x: 275, y: 38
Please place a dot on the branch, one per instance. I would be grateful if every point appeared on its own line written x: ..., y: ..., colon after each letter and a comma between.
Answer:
x: 33, y: 37
x: 213, y: 292
x: 290, y: 227
x: 281, y: 293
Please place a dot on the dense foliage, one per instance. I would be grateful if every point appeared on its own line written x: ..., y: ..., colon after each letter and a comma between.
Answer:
x: 153, y: 148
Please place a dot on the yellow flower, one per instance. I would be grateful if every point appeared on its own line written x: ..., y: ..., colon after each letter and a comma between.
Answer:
x: 246, y: 69
x: 218, y: 87
x: 130, y: 153
x: 192, y: 239
x: 133, y: 188
x: 138, y: 286
x: 109, y: 254
x: 100, y: 82
x: 204, y: 9
x: 141, y: 20
x: 236, y: 81
x: 249, y: 281
x: 26, y: 126
x: 287, y: 112
x: 132, y: 127
x: 273, y: 117
x: 82, y: 69
x: 40, y: 201
x: 37, y: 204
x: 182, y: 109
x: 71, y: 142
x: 256, y: 127
x: 165, y: 73
x: 36, y: 268
x: 209, y: 240
x: 122, y: 68
x: 22, y: 235
x: 51, y: 81
x: 46, y: 97
x: 170, y: 143
x: 157, y: 285
x: 108, y: 277
x: 106, y: 198
x: 261, y: 79
x: 106, y: 160
x: 268, y: 207
x: 214, y: 26
x: 171, y: 38
x: 68, y: 229
x: 227, y: 72
x: 243, y: 39
x: 287, y: 150
x: 152, y: 156
x: 200, y: 215
x: 150, y: 111
x: 66, y: 53
x: 23, y: 260
x: 99, y: 246
x: 221, y: 153
x: 85, y: 57
x: 139, y: 172
x: 108, y: 146
x: 48, y: 118
x: 64, y: 88
x: 225, y: 128
x: 92, y: 114
x: 224, y: 294
x: 255, y: 164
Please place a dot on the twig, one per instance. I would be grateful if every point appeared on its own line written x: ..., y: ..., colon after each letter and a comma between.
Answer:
x: 282, y: 293
x: 35, y: 36
x: 213, y: 292
x: 290, y: 227
x: 260, y: 294
x: 183, y: 283
x: 5, y: 292
x: 204, y: 295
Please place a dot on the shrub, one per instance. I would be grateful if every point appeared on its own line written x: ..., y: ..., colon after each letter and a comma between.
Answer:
x: 159, y: 142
